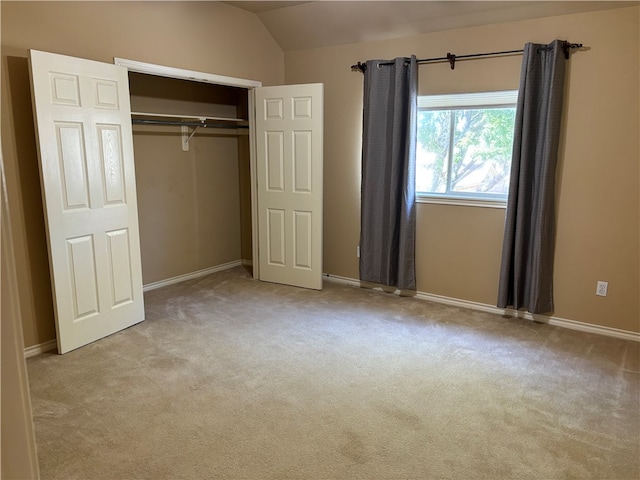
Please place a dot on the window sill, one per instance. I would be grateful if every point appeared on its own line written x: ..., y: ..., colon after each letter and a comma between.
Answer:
x: 465, y: 202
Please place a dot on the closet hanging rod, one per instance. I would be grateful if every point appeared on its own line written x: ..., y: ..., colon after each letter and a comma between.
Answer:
x: 200, y: 118
x: 140, y: 121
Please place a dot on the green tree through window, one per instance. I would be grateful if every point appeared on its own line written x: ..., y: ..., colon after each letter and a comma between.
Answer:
x: 465, y: 152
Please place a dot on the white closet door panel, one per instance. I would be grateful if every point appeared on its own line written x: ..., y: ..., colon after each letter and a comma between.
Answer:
x: 111, y: 160
x: 83, y: 122
x: 289, y: 154
x: 81, y: 254
x: 302, y: 239
x: 275, y: 237
x: 118, y: 243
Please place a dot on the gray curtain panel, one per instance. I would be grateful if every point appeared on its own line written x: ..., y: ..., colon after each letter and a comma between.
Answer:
x: 388, y: 218
x: 526, y: 273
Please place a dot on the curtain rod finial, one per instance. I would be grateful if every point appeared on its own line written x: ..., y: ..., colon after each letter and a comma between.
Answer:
x: 567, y: 46
x: 359, y: 67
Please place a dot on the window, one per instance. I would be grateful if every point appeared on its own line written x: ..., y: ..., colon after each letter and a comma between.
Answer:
x: 464, y: 147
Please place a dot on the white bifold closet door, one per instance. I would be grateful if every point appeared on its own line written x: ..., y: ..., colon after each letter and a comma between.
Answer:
x: 83, y: 122
x: 85, y: 143
x: 289, y: 146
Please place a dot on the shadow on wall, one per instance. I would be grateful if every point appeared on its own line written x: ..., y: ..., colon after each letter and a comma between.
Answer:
x: 26, y: 211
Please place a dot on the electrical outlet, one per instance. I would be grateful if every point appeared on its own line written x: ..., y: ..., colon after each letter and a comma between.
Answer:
x: 358, y: 251
x: 601, y: 288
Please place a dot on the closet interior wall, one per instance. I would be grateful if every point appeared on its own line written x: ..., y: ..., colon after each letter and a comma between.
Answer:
x: 194, y: 206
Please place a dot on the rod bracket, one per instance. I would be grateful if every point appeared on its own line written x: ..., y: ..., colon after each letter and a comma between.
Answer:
x: 186, y: 135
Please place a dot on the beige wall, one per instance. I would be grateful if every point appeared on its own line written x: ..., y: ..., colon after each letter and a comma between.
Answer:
x: 458, y: 248
x: 204, y: 36
x: 189, y: 202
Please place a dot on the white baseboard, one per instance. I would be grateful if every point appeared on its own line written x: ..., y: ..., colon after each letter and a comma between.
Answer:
x: 190, y: 276
x: 483, y: 307
x: 34, y: 350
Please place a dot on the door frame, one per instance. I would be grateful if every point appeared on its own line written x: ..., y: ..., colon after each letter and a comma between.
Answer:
x: 203, y: 77
x: 15, y: 383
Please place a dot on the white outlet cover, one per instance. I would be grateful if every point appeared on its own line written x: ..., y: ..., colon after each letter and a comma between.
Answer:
x: 601, y: 288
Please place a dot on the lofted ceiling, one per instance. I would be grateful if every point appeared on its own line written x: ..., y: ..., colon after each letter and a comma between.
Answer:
x: 299, y: 25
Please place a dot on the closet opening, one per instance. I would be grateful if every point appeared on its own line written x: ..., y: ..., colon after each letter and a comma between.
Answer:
x: 193, y: 184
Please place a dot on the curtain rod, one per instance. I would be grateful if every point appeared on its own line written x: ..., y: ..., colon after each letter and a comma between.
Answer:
x: 451, y: 58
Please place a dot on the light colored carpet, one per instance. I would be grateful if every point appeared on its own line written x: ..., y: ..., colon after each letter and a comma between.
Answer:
x: 238, y: 379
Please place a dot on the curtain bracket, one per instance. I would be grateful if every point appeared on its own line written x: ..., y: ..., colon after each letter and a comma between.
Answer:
x: 361, y: 67
x: 452, y: 60
x: 567, y: 46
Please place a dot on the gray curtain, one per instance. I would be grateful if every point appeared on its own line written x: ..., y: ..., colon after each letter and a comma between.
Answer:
x: 388, y: 218
x: 526, y: 273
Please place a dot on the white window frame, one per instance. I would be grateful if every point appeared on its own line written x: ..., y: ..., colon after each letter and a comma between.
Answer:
x: 459, y: 101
